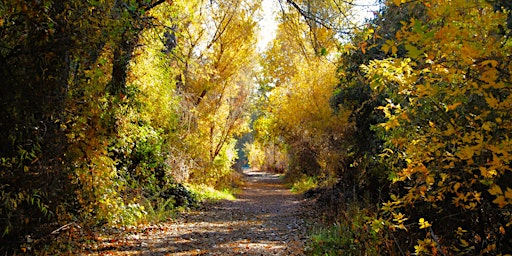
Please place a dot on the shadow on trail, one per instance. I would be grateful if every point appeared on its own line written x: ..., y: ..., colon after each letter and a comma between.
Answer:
x: 263, y: 220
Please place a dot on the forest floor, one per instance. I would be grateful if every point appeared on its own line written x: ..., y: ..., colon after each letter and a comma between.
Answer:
x: 265, y: 219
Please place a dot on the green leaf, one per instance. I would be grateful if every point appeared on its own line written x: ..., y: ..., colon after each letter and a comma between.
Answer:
x: 412, y: 51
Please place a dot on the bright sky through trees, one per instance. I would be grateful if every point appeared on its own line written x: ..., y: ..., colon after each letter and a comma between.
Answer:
x: 268, y: 23
x: 363, y: 9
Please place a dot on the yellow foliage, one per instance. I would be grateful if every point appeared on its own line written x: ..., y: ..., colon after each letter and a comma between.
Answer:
x: 424, y: 224
x: 214, y: 60
x: 447, y: 109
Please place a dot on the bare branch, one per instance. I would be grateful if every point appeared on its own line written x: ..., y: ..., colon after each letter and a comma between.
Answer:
x: 307, y: 16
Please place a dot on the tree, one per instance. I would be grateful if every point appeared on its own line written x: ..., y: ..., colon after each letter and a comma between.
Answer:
x: 214, y: 53
x: 297, y: 84
x: 446, y: 110
x: 61, y: 89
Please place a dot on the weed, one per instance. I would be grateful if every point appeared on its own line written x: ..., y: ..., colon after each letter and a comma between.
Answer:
x: 350, y: 235
x: 304, y: 184
x: 209, y: 193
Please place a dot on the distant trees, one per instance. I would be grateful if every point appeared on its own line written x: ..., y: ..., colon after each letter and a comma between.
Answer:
x: 297, y: 81
x: 215, y: 54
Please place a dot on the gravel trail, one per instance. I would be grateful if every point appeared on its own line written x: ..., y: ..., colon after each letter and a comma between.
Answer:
x: 265, y: 219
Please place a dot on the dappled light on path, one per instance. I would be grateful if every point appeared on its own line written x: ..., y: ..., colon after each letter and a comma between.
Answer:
x: 263, y: 220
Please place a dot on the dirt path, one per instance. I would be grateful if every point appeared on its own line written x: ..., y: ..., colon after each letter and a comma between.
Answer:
x: 264, y: 220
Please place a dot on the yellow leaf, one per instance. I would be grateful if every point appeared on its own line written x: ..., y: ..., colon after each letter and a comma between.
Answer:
x: 487, y: 126
x: 424, y: 224
x: 490, y: 76
x: 495, y: 190
x: 508, y: 193
x: 456, y: 186
x: 450, y: 130
x: 429, y: 180
x: 453, y: 106
x: 493, y: 102
x: 394, y: 50
x: 400, y: 217
x: 466, y: 153
x: 392, y: 123
x: 492, y: 63
x: 397, y: 2
x: 500, y: 201
x: 460, y: 231
x: 385, y: 48
x: 419, y: 249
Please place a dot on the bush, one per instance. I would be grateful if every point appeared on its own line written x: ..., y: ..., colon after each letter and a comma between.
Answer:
x: 304, y: 184
x: 351, y: 234
x: 179, y: 195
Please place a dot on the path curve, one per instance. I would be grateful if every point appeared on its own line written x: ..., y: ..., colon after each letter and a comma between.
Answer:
x: 263, y: 220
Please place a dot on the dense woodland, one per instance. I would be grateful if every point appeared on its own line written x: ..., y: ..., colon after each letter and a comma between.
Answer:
x: 401, y: 126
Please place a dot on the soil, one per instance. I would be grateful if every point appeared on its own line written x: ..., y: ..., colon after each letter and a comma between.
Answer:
x: 265, y: 219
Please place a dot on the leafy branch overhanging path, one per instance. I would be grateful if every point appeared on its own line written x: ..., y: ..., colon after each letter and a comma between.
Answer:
x: 265, y: 219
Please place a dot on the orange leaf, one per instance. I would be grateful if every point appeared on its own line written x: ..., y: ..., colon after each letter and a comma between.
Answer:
x: 500, y: 201
x: 508, y: 193
x: 495, y: 190
x: 453, y: 106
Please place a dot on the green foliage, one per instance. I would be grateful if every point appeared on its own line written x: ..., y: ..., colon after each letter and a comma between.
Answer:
x: 161, y: 210
x: 208, y: 193
x: 350, y: 235
x: 304, y: 184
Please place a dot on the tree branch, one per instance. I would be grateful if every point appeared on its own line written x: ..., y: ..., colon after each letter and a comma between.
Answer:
x: 307, y: 16
x: 155, y: 4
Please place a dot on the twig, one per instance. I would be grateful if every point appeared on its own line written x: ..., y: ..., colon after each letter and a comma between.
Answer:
x: 65, y: 227
x: 438, y: 245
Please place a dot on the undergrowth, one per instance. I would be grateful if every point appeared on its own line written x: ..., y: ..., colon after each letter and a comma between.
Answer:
x: 163, y: 211
x: 303, y: 184
x: 350, y: 234
x: 168, y: 207
x: 209, y: 193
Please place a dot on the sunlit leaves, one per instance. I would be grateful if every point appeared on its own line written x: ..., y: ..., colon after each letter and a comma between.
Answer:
x: 214, y: 60
x: 445, y: 112
x: 502, y: 198
x: 300, y: 82
x: 424, y: 224
x: 390, y: 47
x: 398, y: 2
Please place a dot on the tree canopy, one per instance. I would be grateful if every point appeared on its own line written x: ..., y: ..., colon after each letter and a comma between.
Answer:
x: 113, y: 110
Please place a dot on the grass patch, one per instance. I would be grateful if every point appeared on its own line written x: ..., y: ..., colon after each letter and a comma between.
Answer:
x: 350, y: 235
x: 208, y: 193
x: 163, y: 210
x: 303, y: 184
